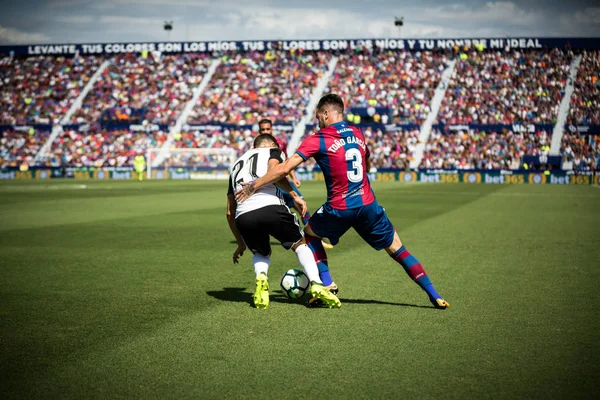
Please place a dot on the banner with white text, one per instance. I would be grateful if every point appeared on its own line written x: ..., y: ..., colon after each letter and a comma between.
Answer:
x: 305, y: 45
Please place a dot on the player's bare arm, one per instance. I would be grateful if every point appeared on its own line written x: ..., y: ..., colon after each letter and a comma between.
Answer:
x: 273, y: 175
x: 241, y: 246
x: 284, y: 185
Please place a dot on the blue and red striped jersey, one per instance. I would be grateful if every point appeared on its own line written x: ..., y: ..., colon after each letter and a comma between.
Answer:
x: 341, y: 151
x: 282, y: 145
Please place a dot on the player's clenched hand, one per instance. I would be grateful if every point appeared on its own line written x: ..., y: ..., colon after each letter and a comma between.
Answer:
x: 246, y: 191
x: 238, y: 253
x: 300, y: 205
x: 297, y: 182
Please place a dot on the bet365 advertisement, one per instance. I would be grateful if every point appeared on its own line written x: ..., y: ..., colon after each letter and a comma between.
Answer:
x: 429, y: 176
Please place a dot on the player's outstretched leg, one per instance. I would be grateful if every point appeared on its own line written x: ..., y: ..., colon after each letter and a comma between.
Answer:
x: 415, y: 270
x: 261, y: 291
x: 316, y: 246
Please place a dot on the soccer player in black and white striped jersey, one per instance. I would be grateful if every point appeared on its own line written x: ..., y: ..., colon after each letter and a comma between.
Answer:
x: 265, y: 214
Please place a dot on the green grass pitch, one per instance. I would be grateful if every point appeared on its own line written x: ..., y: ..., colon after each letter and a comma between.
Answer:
x: 125, y: 290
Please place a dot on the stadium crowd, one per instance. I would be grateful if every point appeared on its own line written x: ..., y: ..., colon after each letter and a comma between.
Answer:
x: 583, y: 151
x: 250, y: 86
x: 503, y: 87
x: 18, y: 147
x: 474, y: 149
x: 585, y: 101
x: 487, y: 87
x: 402, y: 81
x: 40, y: 90
x: 156, y: 86
x: 102, y: 148
x: 240, y: 140
x: 391, y: 149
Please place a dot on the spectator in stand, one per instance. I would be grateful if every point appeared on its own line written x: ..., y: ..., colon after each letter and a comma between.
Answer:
x: 40, y: 90
x: 247, y: 86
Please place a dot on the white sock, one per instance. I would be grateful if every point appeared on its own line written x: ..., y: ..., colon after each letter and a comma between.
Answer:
x: 261, y: 263
x: 307, y: 261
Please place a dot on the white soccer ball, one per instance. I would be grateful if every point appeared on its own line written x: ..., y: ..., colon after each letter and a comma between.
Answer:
x: 294, y: 283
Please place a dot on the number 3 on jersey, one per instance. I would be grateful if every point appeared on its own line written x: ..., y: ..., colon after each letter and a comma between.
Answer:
x: 356, y: 173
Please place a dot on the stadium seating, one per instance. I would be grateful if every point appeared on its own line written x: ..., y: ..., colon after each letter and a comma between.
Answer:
x: 582, y: 150
x: 240, y: 140
x: 487, y: 87
x: 473, y: 149
x: 389, y: 149
x: 40, y: 90
x: 102, y: 148
x: 392, y: 149
x: 585, y: 101
x: 506, y: 87
x: 402, y: 81
x: 20, y: 147
x: 251, y: 86
x: 160, y: 85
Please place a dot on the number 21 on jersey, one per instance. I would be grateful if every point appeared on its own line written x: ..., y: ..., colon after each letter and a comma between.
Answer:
x: 249, y: 172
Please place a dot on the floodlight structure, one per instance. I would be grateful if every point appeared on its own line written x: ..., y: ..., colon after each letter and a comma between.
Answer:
x: 399, y: 22
x: 168, y: 27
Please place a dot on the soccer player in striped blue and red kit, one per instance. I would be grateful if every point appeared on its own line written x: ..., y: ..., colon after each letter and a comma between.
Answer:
x: 342, y: 153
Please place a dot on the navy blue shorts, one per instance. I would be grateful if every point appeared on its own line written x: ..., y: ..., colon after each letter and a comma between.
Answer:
x: 289, y: 200
x: 370, y: 222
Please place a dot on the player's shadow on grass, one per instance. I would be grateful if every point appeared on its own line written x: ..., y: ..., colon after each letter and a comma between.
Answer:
x: 240, y: 295
x: 388, y: 303
x: 272, y: 242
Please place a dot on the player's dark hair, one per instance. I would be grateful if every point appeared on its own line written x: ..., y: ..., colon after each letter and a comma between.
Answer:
x: 260, y: 139
x: 265, y: 121
x: 332, y: 99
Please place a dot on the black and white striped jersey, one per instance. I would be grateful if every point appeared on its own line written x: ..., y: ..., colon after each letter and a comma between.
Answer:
x: 250, y: 166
